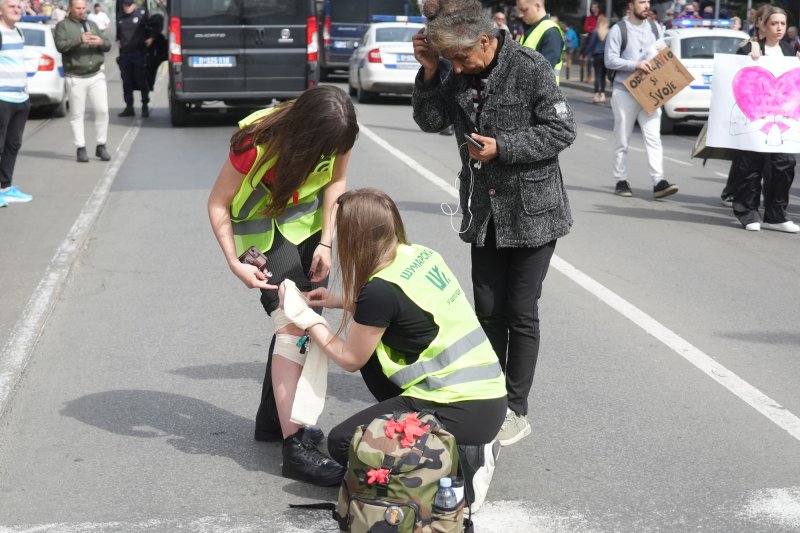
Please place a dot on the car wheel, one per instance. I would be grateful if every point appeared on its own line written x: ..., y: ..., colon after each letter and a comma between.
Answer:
x: 364, y: 97
x: 667, y: 124
x: 60, y: 109
x: 350, y: 89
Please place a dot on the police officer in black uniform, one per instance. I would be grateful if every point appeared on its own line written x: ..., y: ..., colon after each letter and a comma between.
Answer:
x: 133, y: 40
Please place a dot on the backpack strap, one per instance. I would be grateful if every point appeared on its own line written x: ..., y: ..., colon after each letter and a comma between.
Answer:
x: 623, y: 36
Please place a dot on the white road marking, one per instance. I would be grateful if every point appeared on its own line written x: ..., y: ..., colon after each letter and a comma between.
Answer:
x: 746, y: 392
x: 593, y: 136
x: 25, y: 333
x: 684, y: 163
x: 721, y: 174
x: 780, y: 507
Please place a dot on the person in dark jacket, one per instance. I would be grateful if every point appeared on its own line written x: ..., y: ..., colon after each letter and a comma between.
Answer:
x: 133, y: 39
x: 749, y: 169
x: 512, y: 195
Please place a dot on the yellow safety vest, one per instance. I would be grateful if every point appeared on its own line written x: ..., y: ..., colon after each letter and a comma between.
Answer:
x: 531, y: 40
x: 459, y: 364
x: 303, y: 215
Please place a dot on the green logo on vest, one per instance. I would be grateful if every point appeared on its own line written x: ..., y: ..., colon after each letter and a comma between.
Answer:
x: 438, y: 278
x: 323, y: 166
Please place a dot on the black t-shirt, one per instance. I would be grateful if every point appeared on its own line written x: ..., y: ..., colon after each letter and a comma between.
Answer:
x: 409, y: 329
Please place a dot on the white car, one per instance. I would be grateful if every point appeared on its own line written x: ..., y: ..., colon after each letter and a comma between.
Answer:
x: 384, y: 61
x: 45, y: 69
x: 695, y: 47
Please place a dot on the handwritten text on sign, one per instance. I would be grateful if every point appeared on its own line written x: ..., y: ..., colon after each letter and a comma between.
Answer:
x: 654, y: 89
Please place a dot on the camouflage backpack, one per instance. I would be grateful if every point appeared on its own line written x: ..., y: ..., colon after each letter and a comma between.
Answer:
x: 393, y: 472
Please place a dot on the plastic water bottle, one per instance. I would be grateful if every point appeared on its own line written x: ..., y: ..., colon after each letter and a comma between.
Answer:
x: 445, y: 499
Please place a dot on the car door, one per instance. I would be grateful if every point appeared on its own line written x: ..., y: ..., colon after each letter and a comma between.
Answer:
x: 276, y: 45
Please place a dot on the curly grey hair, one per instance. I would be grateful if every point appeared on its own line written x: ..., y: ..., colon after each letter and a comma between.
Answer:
x: 457, y: 24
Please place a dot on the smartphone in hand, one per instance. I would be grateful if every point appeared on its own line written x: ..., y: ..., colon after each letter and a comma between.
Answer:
x: 477, y: 144
x: 253, y: 256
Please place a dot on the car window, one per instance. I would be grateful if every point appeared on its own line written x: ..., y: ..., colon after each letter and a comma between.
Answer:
x: 211, y: 12
x: 33, y: 37
x: 403, y: 35
x: 706, y: 47
x: 274, y: 11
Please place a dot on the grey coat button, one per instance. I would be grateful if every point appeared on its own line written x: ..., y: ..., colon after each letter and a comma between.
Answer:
x: 491, y: 192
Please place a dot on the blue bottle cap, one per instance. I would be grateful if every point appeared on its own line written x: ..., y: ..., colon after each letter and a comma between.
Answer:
x: 445, y: 482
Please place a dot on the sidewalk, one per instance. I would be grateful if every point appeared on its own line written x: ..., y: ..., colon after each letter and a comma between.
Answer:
x: 578, y: 79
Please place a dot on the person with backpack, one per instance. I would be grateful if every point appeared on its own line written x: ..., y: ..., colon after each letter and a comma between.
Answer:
x: 414, y: 336
x: 630, y: 45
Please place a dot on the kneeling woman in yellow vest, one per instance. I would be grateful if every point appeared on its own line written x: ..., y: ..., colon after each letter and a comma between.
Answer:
x: 414, y: 335
x: 276, y: 191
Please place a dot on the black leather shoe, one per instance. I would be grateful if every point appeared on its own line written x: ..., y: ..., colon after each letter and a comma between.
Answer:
x: 102, y: 153
x: 82, y: 156
x: 145, y: 111
x: 127, y: 112
x: 304, y: 462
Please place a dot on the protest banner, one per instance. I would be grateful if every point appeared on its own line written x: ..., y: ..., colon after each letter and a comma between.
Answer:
x: 755, y: 104
x: 654, y: 89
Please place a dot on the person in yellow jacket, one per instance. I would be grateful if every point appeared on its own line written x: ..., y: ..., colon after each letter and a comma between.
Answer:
x: 544, y: 35
x: 276, y: 191
x: 414, y: 336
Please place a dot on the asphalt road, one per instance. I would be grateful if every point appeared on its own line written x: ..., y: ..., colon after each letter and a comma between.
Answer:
x: 665, y: 398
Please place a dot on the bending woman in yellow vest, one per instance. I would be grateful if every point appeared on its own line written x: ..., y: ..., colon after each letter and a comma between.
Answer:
x: 414, y: 335
x: 276, y: 191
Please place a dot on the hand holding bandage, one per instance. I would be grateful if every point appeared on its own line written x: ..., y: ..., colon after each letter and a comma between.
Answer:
x: 312, y: 387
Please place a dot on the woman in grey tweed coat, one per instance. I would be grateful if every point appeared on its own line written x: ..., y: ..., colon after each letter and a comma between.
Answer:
x: 511, y: 192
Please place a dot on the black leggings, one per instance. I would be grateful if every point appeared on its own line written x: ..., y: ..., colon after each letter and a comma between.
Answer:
x: 599, y: 73
x: 286, y: 261
x: 459, y: 418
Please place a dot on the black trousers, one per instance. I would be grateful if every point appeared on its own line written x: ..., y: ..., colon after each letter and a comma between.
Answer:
x: 133, y: 71
x: 12, y: 124
x: 599, y: 73
x: 748, y: 171
x: 286, y: 261
x: 507, y: 285
x: 458, y: 418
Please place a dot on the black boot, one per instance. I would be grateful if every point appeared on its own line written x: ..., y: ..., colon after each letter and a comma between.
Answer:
x: 304, y: 462
x: 145, y: 111
x: 82, y: 157
x: 102, y: 153
x: 127, y: 112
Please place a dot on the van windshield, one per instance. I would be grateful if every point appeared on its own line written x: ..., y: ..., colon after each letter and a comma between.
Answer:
x: 223, y: 12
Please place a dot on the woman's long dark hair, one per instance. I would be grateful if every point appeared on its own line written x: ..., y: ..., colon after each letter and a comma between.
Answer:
x: 321, y: 122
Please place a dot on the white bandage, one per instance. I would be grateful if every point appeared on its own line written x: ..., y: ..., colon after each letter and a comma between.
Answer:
x: 286, y: 346
x: 296, y: 309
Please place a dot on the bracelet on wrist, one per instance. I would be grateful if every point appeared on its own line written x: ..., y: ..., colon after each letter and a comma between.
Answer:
x: 328, y: 246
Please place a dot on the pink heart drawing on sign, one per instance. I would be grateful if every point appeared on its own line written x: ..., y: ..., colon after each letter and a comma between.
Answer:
x: 760, y: 94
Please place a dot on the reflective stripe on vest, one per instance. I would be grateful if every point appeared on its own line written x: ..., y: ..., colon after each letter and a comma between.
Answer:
x: 534, y: 37
x: 459, y: 363
x: 303, y: 215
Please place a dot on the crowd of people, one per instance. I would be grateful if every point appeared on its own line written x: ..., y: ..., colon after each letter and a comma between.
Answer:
x: 80, y: 36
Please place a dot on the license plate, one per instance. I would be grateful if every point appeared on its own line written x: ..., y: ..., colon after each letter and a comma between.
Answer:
x: 407, y: 66
x: 707, y: 78
x: 213, y: 61
x: 406, y: 58
x: 340, y: 44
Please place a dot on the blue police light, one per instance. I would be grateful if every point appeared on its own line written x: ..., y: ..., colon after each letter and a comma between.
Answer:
x: 393, y: 18
x: 703, y: 23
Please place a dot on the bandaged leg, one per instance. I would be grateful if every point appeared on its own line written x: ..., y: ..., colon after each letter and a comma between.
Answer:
x: 312, y: 385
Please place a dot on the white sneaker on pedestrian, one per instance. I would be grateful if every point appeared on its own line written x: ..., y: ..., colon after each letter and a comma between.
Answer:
x: 515, y: 427
x: 786, y: 227
x: 753, y: 226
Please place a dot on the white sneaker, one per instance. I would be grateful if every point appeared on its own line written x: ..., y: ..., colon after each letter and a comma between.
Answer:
x: 786, y: 227
x: 515, y: 427
x: 753, y: 226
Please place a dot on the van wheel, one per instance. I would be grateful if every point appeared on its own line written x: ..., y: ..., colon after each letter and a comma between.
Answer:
x: 364, y: 97
x: 667, y: 124
x: 178, y: 113
x: 60, y: 109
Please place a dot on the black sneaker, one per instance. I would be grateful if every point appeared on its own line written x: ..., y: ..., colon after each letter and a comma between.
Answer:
x: 623, y: 189
x: 102, y: 153
x: 304, y: 462
x: 476, y: 464
x: 145, y: 111
x: 82, y: 156
x: 127, y: 112
x: 663, y: 189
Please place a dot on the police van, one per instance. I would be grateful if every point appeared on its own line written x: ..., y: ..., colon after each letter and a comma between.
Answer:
x: 239, y: 52
x: 695, y: 42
